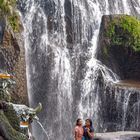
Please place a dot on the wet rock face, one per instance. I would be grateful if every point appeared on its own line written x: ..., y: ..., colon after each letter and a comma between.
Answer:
x: 120, y: 103
x: 1, y: 138
x: 119, y: 107
x: 3, y: 105
x: 123, y: 60
x: 122, y: 110
x: 2, y: 27
x: 12, y: 60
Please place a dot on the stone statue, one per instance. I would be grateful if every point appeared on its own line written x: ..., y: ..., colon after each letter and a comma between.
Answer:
x: 27, y: 114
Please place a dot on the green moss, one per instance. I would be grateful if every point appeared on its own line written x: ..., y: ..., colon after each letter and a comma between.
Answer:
x: 125, y: 31
x: 12, y: 117
x: 8, y: 130
x: 7, y: 8
x: 14, y: 22
x: 4, y: 8
x: 4, y: 96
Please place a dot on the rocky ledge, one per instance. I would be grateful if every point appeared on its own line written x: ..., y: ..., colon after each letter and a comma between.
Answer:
x: 127, y: 135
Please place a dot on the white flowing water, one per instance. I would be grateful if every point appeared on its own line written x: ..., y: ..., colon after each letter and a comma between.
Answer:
x: 62, y: 70
x: 43, y: 129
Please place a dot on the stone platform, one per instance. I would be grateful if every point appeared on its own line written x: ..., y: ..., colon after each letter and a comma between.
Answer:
x: 126, y: 135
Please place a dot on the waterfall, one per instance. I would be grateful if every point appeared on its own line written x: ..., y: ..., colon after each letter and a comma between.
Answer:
x: 43, y: 129
x: 62, y: 70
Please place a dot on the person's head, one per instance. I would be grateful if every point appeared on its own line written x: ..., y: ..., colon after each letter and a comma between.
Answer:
x: 88, y: 123
x: 79, y: 122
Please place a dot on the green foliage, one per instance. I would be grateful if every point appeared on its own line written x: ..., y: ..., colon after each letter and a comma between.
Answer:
x: 125, y: 31
x: 7, y: 8
x: 12, y: 117
x: 14, y: 21
x: 4, y: 8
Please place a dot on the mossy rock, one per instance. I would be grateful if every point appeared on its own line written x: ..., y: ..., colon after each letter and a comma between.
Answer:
x: 12, y: 117
x: 8, y: 10
x: 119, y: 45
x: 4, y: 96
x: 7, y: 131
x: 124, y: 31
x: 14, y: 22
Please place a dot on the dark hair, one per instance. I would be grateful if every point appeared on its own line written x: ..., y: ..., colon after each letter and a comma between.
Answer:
x: 77, y: 121
x: 90, y: 122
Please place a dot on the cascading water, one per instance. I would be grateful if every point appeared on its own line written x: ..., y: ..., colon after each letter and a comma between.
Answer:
x: 62, y: 70
x: 43, y: 130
